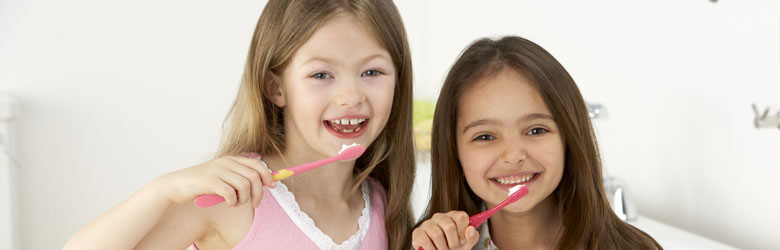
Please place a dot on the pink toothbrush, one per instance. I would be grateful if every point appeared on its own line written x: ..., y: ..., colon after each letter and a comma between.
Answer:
x: 515, y: 193
x: 346, y: 153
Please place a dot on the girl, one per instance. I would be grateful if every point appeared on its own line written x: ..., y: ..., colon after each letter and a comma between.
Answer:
x: 319, y: 74
x: 510, y: 114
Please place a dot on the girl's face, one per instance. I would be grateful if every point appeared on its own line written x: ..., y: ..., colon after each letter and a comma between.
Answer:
x: 337, y: 89
x: 506, y: 136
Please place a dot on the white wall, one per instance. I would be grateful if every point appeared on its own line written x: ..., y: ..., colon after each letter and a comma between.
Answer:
x: 114, y: 94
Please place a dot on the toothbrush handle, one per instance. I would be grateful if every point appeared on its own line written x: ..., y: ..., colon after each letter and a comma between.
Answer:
x: 207, y: 200
x: 302, y: 168
x: 478, y: 219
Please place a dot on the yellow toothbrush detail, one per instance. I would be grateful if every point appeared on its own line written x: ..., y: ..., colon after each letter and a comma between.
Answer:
x: 347, y: 152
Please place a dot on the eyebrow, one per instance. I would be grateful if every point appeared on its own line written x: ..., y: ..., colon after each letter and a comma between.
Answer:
x: 331, y: 61
x: 527, y: 117
x: 480, y: 122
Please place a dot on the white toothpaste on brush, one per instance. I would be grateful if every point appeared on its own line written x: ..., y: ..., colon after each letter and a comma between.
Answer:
x: 514, y: 189
x: 345, y: 146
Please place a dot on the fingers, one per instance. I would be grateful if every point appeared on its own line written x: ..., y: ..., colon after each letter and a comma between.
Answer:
x: 257, y: 173
x: 461, y: 220
x: 420, y: 239
x: 255, y: 185
x: 472, y: 237
x: 241, y: 187
x: 227, y: 192
x: 437, y: 236
x: 445, y: 231
x: 449, y: 228
x: 246, y: 176
x: 252, y: 160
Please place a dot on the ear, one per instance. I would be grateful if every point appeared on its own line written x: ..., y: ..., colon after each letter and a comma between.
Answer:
x: 274, y: 89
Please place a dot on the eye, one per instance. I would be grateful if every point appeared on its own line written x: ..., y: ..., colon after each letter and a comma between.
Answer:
x: 537, y: 131
x: 371, y: 72
x: 321, y: 76
x: 484, y: 137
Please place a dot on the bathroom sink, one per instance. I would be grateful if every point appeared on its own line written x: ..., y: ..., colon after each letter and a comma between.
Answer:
x: 672, y: 238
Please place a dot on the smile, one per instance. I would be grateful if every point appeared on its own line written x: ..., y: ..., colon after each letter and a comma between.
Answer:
x: 347, y: 127
x: 516, y: 179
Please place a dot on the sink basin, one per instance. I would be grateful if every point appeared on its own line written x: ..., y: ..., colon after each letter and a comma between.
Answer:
x: 672, y: 238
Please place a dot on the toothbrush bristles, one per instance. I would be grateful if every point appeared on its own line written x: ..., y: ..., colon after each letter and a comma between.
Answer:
x: 345, y: 147
x: 514, y: 189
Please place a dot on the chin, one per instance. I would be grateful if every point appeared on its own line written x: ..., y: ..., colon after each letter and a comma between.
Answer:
x: 519, y: 207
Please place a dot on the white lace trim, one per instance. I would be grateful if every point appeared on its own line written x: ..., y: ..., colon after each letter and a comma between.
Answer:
x: 286, y: 200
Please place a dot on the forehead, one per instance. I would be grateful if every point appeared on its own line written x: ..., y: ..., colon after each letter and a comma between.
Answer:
x: 339, y: 38
x: 507, y: 96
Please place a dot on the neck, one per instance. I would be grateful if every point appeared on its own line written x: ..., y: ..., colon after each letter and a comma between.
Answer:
x: 331, y: 182
x: 535, y: 229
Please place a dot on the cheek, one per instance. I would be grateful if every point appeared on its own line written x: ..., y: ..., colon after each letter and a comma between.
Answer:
x: 552, y: 157
x: 305, y: 105
x: 381, y: 97
x: 475, y: 164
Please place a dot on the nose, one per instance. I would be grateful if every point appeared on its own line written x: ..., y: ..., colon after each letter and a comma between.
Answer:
x: 514, y: 152
x: 349, y: 93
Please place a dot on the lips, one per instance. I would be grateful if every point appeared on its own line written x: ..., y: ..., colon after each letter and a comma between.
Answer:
x: 347, y: 126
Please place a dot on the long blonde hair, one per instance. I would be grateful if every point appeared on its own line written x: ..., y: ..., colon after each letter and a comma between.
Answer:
x: 255, y: 124
x: 588, y: 220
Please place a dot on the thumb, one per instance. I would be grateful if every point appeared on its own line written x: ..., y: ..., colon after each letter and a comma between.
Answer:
x: 472, y: 237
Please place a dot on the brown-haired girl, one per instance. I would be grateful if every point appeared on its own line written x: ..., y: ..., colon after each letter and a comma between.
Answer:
x: 509, y: 114
x: 319, y: 74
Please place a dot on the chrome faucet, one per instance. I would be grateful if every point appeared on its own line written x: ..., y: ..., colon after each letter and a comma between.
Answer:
x: 595, y: 110
x: 619, y: 199
x: 764, y: 120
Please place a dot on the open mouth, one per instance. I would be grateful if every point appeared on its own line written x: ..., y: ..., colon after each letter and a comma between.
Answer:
x: 347, y: 127
x: 513, y: 180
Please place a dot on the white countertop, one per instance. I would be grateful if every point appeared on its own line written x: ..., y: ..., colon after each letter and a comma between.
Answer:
x: 672, y: 238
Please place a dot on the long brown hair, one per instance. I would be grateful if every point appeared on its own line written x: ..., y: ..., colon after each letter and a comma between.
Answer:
x: 588, y: 220
x: 255, y: 124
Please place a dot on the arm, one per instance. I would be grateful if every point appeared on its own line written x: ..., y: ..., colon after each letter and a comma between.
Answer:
x: 162, y: 212
x: 125, y: 225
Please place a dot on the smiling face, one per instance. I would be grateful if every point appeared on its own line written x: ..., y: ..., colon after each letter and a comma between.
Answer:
x: 337, y: 89
x: 507, y: 136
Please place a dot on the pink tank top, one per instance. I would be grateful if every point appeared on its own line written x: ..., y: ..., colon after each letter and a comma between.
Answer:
x: 272, y: 228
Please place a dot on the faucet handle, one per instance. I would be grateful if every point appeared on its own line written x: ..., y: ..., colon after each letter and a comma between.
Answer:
x: 620, y: 199
x: 761, y: 120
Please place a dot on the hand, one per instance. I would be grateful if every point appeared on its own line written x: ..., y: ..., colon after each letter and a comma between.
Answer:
x: 238, y: 179
x: 449, y: 230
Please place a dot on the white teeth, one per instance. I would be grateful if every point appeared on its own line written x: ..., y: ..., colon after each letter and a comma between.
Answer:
x: 345, y: 121
x: 514, y: 179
